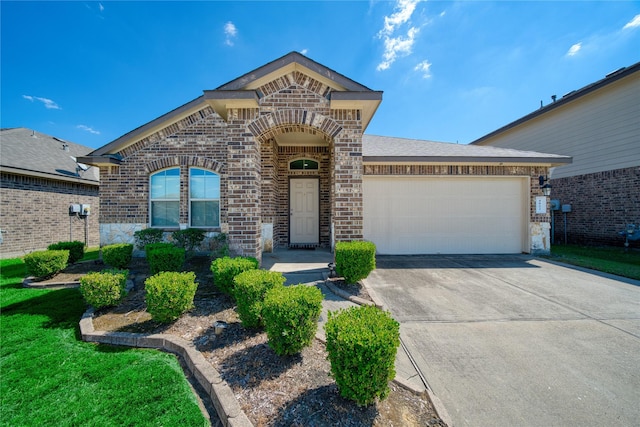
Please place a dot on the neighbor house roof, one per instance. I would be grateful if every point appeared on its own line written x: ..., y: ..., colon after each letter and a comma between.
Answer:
x: 566, y: 98
x: 384, y: 149
x: 27, y: 152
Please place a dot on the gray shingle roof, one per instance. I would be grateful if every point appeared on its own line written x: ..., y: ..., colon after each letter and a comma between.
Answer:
x: 390, y: 149
x: 29, y: 152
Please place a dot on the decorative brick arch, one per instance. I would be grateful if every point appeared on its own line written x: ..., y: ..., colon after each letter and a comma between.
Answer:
x: 188, y: 161
x: 294, y: 120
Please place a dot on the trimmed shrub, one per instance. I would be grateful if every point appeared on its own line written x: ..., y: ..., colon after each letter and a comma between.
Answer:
x: 104, y: 288
x: 157, y: 245
x: 290, y: 315
x: 148, y: 235
x: 118, y: 255
x: 189, y: 238
x: 225, y: 269
x: 362, y: 343
x: 165, y: 259
x: 45, y: 264
x: 355, y: 260
x: 75, y: 248
x: 249, y: 290
x: 169, y: 294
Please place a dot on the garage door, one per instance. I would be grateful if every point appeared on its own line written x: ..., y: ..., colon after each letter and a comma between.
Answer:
x: 446, y: 215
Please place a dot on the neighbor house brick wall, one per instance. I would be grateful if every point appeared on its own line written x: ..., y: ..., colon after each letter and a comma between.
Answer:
x: 41, y: 207
x: 602, y: 204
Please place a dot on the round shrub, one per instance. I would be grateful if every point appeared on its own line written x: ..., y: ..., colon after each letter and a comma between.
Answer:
x: 45, y: 264
x: 250, y: 288
x: 290, y: 315
x: 157, y: 245
x: 118, y: 255
x: 225, y: 269
x: 165, y: 259
x: 169, y: 294
x: 362, y: 343
x: 75, y: 248
x: 355, y: 260
x: 105, y: 288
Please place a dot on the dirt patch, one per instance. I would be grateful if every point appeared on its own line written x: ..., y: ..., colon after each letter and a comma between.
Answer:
x: 272, y: 390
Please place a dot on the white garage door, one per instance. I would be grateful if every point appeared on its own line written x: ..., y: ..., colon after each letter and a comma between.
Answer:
x: 446, y: 215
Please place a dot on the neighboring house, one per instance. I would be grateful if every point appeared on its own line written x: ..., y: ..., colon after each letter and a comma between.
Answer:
x: 41, y: 179
x: 277, y: 158
x: 599, y: 127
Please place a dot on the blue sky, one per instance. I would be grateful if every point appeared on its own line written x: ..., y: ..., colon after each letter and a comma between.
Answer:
x: 90, y: 72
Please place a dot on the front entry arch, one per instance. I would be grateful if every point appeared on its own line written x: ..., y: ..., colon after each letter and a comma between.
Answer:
x: 304, y: 208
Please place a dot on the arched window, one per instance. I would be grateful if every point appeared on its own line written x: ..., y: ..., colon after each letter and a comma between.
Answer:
x: 303, y: 164
x: 204, y: 198
x: 165, y: 198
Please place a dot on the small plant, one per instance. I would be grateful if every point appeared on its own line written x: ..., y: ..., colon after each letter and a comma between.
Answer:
x: 250, y: 288
x: 362, y: 343
x: 75, y: 248
x: 290, y: 315
x: 47, y: 263
x: 158, y: 245
x: 219, y: 246
x: 146, y: 236
x: 117, y: 255
x: 105, y: 288
x: 189, y: 238
x: 225, y: 269
x: 165, y: 259
x: 169, y: 294
x: 355, y: 260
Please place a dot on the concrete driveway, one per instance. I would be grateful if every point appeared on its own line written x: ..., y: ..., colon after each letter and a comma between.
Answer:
x: 517, y: 341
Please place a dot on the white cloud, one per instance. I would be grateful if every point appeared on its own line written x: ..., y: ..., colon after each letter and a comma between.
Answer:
x: 397, y: 45
x: 425, y: 68
x: 101, y: 7
x: 88, y: 129
x: 573, y: 50
x: 230, y: 31
x: 304, y: 51
x: 634, y: 23
x: 48, y: 103
x: 403, y: 11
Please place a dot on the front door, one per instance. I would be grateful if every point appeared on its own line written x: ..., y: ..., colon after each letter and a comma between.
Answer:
x: 304, y: 197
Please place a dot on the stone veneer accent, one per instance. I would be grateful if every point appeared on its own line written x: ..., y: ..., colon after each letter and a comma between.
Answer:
x: 42, y: 206
x: 602, y: 204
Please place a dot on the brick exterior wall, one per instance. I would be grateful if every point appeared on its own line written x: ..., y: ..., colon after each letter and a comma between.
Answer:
x: 601, y: 205
x: 35, y: 213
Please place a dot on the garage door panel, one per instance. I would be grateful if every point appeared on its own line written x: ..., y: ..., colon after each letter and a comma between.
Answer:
x: 423, y: 215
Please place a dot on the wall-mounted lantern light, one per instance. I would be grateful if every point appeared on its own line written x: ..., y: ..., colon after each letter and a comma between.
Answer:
x: 546, y: 188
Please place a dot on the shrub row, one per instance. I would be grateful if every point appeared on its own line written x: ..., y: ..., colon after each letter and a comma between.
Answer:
x: 104, y: 288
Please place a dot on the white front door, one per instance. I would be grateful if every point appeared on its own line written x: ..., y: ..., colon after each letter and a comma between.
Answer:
x: 304, y: 196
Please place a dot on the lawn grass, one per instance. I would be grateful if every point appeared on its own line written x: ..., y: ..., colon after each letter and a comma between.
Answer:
x: 91, y: 254
x: 613, y: 260
x: 50, y: 377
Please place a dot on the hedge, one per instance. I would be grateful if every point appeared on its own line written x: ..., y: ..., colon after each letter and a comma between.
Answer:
x: 105, y: 288
x: 117, y: 255
x: 169, y: 294
x: 250, y: 288
x: 355, y: 260
x: 43, y: 264
x: 75, y: 248
x: 225, y: 269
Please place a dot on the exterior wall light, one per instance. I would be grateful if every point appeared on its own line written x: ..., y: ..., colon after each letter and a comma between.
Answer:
x: 546, y: 188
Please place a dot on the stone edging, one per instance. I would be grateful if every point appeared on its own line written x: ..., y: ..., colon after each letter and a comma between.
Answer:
x: 221, y: 395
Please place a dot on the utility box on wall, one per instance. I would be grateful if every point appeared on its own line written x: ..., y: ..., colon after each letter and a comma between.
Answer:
x: 74, y: 209
x: 85, y: 210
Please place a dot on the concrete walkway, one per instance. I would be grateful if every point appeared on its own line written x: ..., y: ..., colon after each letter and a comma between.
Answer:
x: 311, y: 267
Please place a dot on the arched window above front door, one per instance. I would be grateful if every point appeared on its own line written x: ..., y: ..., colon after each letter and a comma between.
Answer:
x: 303, y: 164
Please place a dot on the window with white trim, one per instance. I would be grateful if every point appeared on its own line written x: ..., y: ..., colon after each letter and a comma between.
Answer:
x: 204, y: 198
x: 164, y: 198
x: 303, y: 164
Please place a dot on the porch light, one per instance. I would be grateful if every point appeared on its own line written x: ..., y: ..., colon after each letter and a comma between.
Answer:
x: 546, y: 188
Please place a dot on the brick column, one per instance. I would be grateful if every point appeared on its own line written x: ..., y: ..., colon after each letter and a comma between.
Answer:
x: 243, y: 186
x: 347, y: 187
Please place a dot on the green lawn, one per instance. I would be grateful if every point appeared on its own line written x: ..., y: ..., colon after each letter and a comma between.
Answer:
x: 613, y: 260
x: 51, y: 378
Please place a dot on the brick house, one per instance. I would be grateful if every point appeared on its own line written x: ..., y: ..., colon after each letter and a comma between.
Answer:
x: 278, y: 158
x: 599, y: 127
x: 41, y: 178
